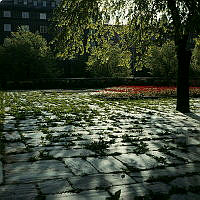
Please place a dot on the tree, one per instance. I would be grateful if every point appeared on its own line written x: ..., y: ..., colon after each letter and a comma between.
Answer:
x: 24, y: 55
x: 162, y: 61
x: 114, y: 63
x: 141, y: 17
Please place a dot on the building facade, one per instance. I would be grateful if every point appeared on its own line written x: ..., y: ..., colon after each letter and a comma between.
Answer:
x: 32, y: 15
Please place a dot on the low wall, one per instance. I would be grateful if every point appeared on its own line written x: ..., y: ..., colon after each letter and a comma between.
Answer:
x: 83, y: 83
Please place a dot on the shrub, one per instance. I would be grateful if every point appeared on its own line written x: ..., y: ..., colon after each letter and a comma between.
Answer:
x: 25, y: 55
x: 109, y: 61
x: 162, y: 61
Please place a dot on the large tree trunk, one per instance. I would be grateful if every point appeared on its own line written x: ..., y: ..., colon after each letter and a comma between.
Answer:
x: 184, y: 58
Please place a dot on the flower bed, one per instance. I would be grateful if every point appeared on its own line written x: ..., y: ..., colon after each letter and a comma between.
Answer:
x: 143, y: 91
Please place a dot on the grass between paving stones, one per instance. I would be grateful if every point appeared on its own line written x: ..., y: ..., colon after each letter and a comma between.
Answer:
x: 140, y: 147
x: 82, y: 111
x: 166, y: 150
x: 71, y: 109
x: 63, y: 109
x: 99, y: 146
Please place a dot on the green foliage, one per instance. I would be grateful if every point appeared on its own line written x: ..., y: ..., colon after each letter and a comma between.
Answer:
x: 71, y: 23
x: 25, y: 55
x: 162, y: 61
x: 88, y: 27
x: 99, y: 146
x: 196, y: 58
x: 109, y: 61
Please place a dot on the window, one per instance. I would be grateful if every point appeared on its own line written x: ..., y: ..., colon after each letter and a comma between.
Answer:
x: 43, y: 16
x: 25, y: 15
x: 25, y: 27
x: 7, y: 13
x: 25, y: 2
x: 53, y: 4
x: 43, y: 29
x: 7, y: 27
x: 15, y: 2
x: 44, y: 3
x: 35, y: 3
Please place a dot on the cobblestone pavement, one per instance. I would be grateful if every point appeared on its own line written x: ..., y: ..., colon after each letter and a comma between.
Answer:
x: 72, y: 146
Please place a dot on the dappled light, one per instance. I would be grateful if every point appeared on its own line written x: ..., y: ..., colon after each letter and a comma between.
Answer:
x: 75, y: 145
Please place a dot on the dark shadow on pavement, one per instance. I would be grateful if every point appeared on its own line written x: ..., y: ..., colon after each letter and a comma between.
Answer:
x: 193, y: 116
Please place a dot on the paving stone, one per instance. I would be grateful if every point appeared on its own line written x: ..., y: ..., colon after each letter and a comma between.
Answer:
x: 22, y: 157
x: 28, y: 122
x: 119, y: 179
x: 120, y: 149
x: 1, y: 173
x: 62, y: 128
x: 18, y: 192
x: 188, y: 196
x: 100, y: 180
x: 186, y: 182
x: 86, y: 195
x: 54, y: 186
x: 9, y: 117
x: 70, y: 153
x: 193, y: 140
x: 13, y: 136
x: 167, y: 159
x: 158, y: 187
x: 27, y: 172
x: 106, y: 164
x: 16, y: 147
x: 9, y: 126
x: 89, y: 182
x: 194, y: 149
x: 47, y: 148
x: 141, y: 161
x: 27, y: 128
x: 9, y: 121
x: 79, y: 166
x: 51, y: 175
x: 155, y: 174
x: 190, y: 157
x: 156, y: 145
x: 130, y: 192
x: 34, y: 142
x: 33, y: 134
x: 140, y: 190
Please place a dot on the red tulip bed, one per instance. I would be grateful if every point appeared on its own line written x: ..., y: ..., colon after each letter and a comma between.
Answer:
x: 143, y: 91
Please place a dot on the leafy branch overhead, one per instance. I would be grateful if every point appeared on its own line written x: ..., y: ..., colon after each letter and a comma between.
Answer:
x: 82, y: 25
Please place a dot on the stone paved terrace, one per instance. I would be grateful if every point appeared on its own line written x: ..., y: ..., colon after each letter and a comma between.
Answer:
x: 72, y: 146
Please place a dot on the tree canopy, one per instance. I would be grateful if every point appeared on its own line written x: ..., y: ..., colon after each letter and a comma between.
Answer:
x: 79, y: 24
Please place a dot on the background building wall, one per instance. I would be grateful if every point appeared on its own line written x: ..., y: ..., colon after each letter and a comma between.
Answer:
x: 33, y: 14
